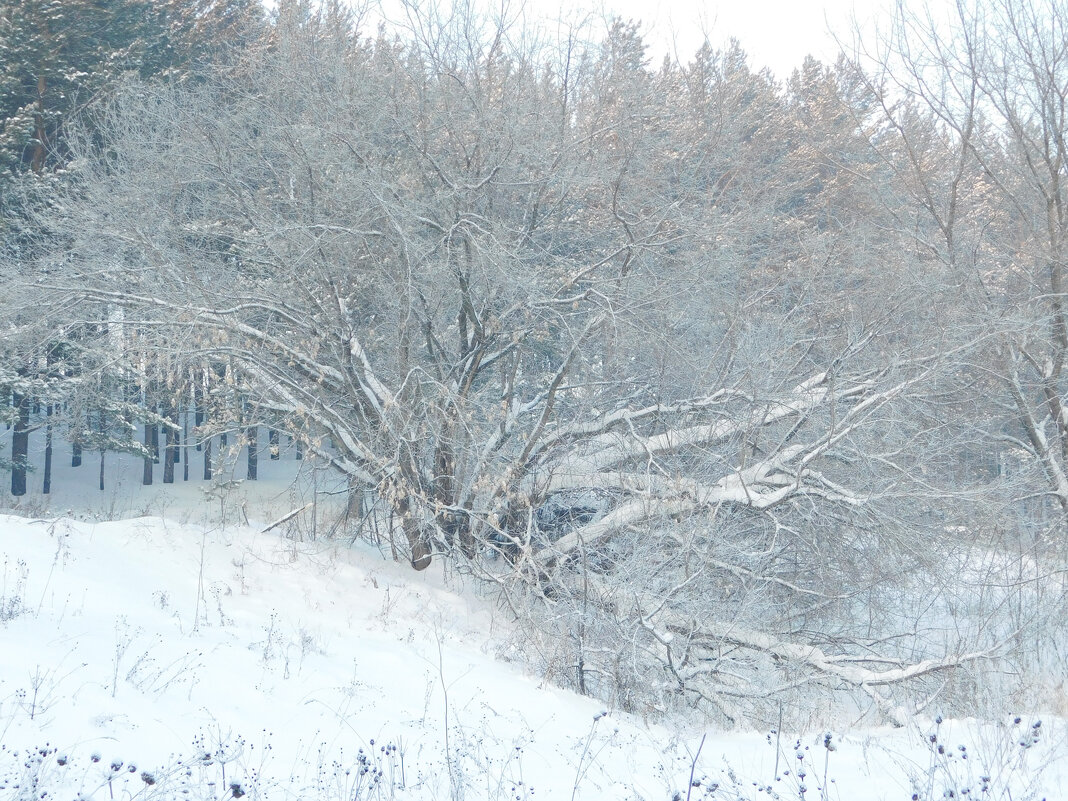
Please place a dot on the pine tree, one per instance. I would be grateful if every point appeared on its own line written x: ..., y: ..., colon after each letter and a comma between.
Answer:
x: 57, y: 58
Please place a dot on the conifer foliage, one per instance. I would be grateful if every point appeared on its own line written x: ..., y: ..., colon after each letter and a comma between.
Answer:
x: 58, y: 58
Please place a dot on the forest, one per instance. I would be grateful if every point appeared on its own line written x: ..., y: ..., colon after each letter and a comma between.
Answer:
x: 741, y: 395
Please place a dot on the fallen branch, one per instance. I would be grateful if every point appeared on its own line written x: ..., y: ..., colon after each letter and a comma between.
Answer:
x: 287, y: 516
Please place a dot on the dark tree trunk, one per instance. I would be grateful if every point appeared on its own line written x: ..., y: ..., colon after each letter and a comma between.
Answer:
x: 168, y: 460
x: 174, y: 438
x: 20, y: 444
x: 41, y: 145
x: 354, y: 507
x: 146, y: 473
x: 185, y: 445
x: 170, y: 455
x: 103, y: 428
x: 198, y: 407
x: 153, y: 445
x: 207, y: 459
x: 253, y: 455
x: 414, y: 534
x: 48, y: 453
x: 76, y: 454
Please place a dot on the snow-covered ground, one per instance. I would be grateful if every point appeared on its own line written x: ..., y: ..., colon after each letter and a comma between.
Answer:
x: 187, y: 654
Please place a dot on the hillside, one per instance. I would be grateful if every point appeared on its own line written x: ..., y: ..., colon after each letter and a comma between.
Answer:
x: 174, y: 656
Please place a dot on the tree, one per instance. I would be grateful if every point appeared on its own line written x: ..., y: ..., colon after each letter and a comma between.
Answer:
x: 59, y: 56
x: 979, y: 135
x: 55, y: 60
x: 590, y: 325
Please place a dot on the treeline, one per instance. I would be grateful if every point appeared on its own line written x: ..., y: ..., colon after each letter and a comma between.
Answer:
x: 752, y: 385
x: 58, y: 59
x: 165, y: 423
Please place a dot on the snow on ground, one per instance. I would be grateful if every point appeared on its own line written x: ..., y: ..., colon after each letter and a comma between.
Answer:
x: 172, y: 656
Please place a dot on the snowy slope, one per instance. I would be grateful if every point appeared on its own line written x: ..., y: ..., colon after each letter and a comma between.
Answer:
x: 151, y: 643
x: 144, y: 640
x: 177, y: 653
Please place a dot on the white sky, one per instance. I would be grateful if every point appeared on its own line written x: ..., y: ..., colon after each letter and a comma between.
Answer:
x: 774, y: 33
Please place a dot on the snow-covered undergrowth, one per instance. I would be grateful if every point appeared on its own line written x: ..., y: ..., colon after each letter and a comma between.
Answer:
x: 147, y: 658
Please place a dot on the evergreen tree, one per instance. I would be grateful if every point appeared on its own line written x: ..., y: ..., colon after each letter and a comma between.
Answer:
x: 54, y: 55
x: 57, y: 56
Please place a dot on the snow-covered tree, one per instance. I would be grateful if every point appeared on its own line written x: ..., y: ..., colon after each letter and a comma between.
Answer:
x: 642, y: 346
x: 976, y: 115
x: 56, y: 59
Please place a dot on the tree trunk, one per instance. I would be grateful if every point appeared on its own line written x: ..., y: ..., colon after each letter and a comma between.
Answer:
x: 154, y: 444
x: 174, y: 438
x: 456, y: 525
x: 146, y: 473
x: 48, y: 453
x: 354, y: 506
x: 414, y: 534
x: 40, y: 147
x: 253, y: 455
x: 170, y: 455
x: 103, y: 428
x: 168, y: 459
x: 185, y: 444
x: 207, y: 459
x: 20, y: 444
x: 199, y: 393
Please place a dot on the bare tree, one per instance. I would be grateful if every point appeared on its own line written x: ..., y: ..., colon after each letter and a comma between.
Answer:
x: 977, y: 108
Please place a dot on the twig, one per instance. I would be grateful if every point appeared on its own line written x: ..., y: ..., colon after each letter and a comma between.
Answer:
x: 585, y: 751
x: 693, y: 765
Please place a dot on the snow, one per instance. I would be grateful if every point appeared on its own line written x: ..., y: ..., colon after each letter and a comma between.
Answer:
x: 199, y: 652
